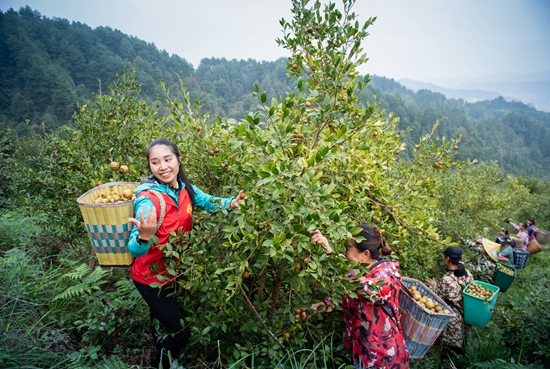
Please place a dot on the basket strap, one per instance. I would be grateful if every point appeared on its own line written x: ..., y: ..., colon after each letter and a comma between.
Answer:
x: 162, y: 203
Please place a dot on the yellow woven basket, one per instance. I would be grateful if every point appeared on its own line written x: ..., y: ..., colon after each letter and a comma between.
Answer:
x: 107, y: 224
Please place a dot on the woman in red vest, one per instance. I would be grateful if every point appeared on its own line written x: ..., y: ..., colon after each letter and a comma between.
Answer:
x: 148, y: 269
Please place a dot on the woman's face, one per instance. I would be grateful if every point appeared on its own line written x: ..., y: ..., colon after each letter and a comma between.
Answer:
x: 353, y: 254
x: 164, y: 164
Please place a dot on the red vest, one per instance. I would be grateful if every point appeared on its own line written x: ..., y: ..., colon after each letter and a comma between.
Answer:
x: 174, y: 218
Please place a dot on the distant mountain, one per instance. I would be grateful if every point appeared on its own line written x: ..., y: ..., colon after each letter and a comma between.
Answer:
x: 536, y: 93
x: 495, y: 77
x: 532, y: 89
x: 467, y: 94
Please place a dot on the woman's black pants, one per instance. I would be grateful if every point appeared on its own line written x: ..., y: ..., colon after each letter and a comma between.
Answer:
x: 166, y: 310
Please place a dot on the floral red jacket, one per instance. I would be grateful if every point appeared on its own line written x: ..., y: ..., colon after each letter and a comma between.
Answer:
x: 373, y: 320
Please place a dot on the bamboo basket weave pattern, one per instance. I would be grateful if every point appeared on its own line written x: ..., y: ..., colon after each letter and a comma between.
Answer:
x: 517, y: 240
x: 542, y: 236
x: 107, y: 224
x: 421, y: 327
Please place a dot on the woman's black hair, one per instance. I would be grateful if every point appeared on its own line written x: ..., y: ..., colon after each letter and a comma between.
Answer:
x: 372, y: 241
x: 505, y: 231
x: 461, y: 271
x: 532, y: 220
x: 174, y: 149
x: 525, y: 225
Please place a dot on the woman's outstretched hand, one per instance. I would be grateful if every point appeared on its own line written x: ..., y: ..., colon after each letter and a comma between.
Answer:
x: 431, y: 283
x: 147, y: 226
x: 318, y: 307
x: 318, y: 238
x: 237, y: 200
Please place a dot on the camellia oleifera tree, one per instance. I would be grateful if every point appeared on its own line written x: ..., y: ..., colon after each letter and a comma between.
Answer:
x: 313, y: 159
x: 476, y: 200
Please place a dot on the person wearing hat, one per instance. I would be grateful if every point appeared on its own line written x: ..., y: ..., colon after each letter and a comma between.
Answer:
x: 504, y: 232
x: 506, y: 248
x: 449, y: 288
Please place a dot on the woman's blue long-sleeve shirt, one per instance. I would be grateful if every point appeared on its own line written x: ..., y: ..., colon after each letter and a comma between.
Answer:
x: 202, y: 201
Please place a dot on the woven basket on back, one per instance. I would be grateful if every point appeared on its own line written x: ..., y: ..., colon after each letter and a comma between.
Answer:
x: 421, y: 327
x: 517, y: 240
x: 520, y: 258
x: 107, y: 224
x: 543, y: 236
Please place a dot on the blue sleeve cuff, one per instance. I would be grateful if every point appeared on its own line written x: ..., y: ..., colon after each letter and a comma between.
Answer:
x: 138, y: 249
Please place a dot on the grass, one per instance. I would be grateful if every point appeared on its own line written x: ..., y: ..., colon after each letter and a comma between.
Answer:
x: 16, y: 229
x: 25, y: 341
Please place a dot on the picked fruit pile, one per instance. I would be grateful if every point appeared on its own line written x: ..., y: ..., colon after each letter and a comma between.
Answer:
x: 113, y: 195
x: 505, y: 270
x: 479, y: 291
x: 427, y: 302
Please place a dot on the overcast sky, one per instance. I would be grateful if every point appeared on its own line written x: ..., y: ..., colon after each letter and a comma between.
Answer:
x: 425, y: 40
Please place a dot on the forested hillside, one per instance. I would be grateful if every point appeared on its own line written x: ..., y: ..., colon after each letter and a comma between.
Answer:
x: 48, y: 65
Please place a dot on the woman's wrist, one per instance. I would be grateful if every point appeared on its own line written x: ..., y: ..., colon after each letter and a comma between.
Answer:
x: 143, y: 240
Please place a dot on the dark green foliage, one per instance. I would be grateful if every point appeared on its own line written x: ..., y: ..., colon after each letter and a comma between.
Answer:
x: 7, y: 152
x: 47, y: 66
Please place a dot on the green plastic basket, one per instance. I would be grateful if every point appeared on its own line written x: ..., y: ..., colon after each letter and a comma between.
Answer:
x: 478, y: 311
x: 503, y: 280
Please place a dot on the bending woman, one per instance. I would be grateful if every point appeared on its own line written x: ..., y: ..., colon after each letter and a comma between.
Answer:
x: 449, y: 288
x: 373, y: 320
x: 180, y: 197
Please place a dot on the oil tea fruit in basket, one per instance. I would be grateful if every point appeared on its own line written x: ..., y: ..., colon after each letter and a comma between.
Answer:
x: 427, y: 302
x: 505, y: 270
x: 112, y: 195
x: 479, y: 291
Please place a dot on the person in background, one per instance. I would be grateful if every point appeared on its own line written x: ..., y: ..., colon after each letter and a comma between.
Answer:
x: 531, y: 229
x: 522, y: 233
x: 449, y: 288
x: 148, y: 270
x: 373, y: 319
x: 506, y: 249
x: 504, y: 232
